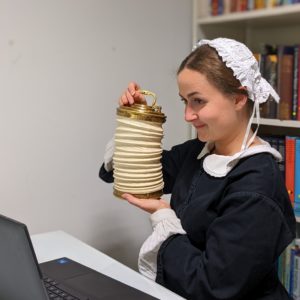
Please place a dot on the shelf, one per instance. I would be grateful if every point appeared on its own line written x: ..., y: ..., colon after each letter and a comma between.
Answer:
x: 279, y: 123
x: 282, y: 127
x: 298, y: 219
x: 287, y: 14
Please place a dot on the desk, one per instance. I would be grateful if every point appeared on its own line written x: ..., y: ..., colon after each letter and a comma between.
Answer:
x: 57, y: 244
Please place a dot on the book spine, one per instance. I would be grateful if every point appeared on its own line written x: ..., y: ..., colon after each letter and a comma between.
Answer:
x: 295, y: 84
x: 296, y: 279
x: 259, y: 4
x: 285, y: 81
x: 290, y: 167
x: 298, y: 88
x: 292, y: 266
x: 214, y: 6
x: 226, y: 6
x: 250, y: 5
x: 273, y: 81
x: 287, y: 266
x: 297, y: 178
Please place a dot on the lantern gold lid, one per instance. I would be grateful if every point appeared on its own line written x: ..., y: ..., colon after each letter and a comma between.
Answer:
x: 143, y: 112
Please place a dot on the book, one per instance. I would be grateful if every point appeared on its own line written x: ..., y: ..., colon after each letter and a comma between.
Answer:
x: 298, y: 87
x: 242, y: 5
x: 288, y: 266
x: 290, y: 144
x: 296, y: 275
x: 297, y: 178
x: 214, y: 6
x: 226, y: 6
x: 285, y: 81
x: 295, y: 83
x: 269, y: 109
x: 294, y: 250
x: 258, y: 4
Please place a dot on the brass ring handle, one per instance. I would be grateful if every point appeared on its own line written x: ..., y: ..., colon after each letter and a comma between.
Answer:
x: 148, y: 93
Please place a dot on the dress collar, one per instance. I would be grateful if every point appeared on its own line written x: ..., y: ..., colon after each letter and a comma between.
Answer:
x: 220, y: 165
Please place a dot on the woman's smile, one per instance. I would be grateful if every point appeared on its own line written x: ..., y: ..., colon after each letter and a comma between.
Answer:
x: 199, y: 126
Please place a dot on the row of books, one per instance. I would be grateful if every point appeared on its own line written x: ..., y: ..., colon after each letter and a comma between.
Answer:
x: 220, y: 7
x: 289, y: 148
x: 289, y: 269
x: 279, y: 65
x: 288, y: 263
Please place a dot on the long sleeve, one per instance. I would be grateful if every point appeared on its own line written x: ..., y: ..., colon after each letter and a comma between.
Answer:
x: 165, y: 224
x: 239, y: 253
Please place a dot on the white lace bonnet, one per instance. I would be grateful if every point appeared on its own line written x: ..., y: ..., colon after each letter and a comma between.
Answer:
x: 242, y: 62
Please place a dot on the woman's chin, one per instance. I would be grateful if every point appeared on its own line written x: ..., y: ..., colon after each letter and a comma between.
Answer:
x: 202, y: 138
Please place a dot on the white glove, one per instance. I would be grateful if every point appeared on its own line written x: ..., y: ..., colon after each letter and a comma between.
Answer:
x: 108, y: 155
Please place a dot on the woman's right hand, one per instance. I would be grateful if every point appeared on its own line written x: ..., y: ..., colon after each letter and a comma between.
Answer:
x: 132, y: 95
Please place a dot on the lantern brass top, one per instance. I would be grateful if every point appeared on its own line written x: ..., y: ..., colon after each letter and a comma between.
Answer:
x: 143, y: 112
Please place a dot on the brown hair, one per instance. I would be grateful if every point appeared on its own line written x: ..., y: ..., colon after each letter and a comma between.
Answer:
x: 206, y: 61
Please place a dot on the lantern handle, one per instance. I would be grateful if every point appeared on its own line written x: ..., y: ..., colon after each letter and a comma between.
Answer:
x: 148, y: 93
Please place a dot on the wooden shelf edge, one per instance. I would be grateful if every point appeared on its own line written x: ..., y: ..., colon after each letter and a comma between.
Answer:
x: 279, y: 123
x: 263, y: 122
x: 249, y: 15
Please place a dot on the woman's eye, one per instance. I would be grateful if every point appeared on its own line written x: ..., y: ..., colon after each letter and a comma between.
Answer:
x: 184, y: 101
x: 198, y: 101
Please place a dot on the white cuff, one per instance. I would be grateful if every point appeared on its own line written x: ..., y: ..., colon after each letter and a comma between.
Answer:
x: 108, y: 155
x: 165, y: 223
x: 161, y: 214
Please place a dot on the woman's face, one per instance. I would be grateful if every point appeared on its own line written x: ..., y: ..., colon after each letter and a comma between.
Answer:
x: 214, y: 115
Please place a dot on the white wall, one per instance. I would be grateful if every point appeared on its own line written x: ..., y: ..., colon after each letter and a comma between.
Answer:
x: 63, y: 65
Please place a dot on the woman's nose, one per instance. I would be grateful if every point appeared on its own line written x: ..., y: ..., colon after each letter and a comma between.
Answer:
x: 189, y: 114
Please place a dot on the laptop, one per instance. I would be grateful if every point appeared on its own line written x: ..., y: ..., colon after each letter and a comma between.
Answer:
x: 21, y: 277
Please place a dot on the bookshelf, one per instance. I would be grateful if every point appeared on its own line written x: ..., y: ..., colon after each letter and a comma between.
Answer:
x: 277, y: 25
x: 273, y: 25
x: 261, y: 17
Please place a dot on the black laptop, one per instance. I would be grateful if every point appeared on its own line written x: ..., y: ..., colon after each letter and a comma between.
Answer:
x: 22, y: 278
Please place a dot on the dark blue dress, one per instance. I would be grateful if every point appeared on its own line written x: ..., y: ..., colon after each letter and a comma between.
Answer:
x: 237, y: 226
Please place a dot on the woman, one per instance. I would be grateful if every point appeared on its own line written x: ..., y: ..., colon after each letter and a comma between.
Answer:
x: 230, y: 216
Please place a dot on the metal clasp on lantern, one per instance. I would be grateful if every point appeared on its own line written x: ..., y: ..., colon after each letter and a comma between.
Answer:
x: 153, y: 105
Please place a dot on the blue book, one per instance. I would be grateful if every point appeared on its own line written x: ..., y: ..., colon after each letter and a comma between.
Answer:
x: 297, y: 178
x: 295, y: 251
x: 292, y: 266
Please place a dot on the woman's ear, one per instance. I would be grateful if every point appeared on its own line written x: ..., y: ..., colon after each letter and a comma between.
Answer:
x: 240, y: 99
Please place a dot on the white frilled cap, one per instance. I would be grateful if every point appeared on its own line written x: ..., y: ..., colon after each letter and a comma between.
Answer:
x: 242, y: 62
x: 245, y: 68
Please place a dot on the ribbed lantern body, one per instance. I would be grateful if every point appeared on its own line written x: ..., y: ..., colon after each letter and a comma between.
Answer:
x: 136, y: 161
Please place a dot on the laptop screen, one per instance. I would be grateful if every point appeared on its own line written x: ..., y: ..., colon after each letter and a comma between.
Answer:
x: 20, y: 277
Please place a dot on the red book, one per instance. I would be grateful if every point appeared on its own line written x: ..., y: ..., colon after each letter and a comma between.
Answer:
x: 298, y: 105
x: 290, y: 144
x: 214, y: 7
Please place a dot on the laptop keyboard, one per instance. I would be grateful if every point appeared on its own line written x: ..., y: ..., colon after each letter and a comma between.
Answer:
x: 56, y: 293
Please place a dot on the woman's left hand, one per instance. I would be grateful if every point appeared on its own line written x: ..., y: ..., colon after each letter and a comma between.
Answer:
x: 148, y: 205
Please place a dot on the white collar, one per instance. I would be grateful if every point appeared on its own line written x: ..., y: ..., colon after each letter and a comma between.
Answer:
x: 220, y: 165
